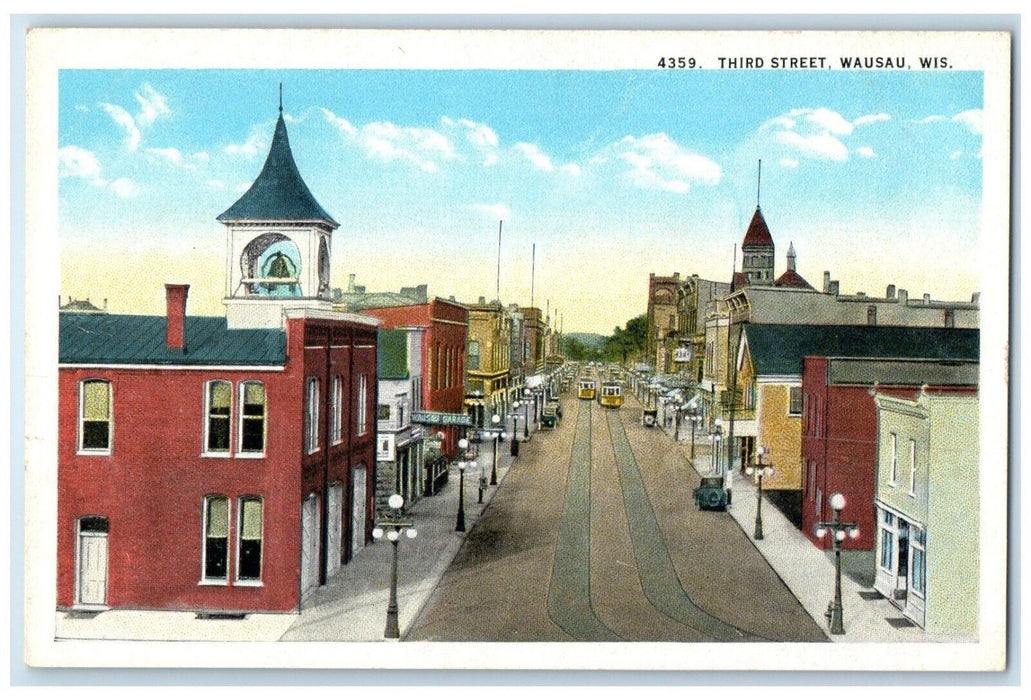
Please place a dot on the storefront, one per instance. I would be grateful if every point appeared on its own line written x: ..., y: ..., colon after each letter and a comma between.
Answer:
x: 901, y: 575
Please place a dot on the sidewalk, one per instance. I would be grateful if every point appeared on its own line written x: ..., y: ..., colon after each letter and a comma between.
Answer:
x: 352, y: 606
x: 808, y: 572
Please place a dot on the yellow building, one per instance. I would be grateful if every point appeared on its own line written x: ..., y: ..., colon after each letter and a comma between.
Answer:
x: 488, y: 361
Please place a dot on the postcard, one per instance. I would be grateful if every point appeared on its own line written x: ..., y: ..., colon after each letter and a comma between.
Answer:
x: 667, y: 350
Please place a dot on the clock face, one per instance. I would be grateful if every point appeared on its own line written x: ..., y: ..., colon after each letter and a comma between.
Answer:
x: 272, y: 266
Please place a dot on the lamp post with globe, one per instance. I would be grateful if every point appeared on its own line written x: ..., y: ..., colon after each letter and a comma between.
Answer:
x: 838, y: 531
x: 392, y: 528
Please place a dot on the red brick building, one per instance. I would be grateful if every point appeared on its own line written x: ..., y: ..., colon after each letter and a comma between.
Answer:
x: 444, y: 344
x: 221, y: 463
x: 839, y: 428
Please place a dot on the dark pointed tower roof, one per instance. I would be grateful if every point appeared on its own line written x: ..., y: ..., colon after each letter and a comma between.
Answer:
x: 279, y: 193
x: 758, y: 233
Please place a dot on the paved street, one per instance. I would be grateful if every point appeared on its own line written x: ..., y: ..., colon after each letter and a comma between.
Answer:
x: 588, y: 540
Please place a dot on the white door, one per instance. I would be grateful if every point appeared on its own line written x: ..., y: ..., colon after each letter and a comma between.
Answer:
x: 336, y: 528
x: 358, y: 510
x: 92, y: 568
x: 309, y: 546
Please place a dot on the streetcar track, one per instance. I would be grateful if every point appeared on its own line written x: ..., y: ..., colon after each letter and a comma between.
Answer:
x: 662, y: 585
x: 569, y: 593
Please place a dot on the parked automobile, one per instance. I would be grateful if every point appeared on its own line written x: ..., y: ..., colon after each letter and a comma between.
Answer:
x: 649, y: 417
x: 711, y: 494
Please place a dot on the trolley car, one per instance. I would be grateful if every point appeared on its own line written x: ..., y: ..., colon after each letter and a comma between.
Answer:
x: 611, y: 395
x: 588, y: 389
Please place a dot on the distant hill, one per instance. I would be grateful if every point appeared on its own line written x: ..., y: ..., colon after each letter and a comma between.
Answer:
x: 593, y: 341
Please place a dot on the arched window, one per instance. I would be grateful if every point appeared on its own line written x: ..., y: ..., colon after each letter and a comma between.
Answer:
x: 250, y: 528
x: 95, y: 412
x: 216, y: 538
x: 219, y: 407
x: 252, y: 418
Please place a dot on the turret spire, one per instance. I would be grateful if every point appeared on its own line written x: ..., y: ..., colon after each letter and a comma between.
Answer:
x: 281, y: 98
x: 758, y: 185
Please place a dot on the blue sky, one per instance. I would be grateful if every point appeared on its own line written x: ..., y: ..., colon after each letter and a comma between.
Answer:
x: 875, y: 176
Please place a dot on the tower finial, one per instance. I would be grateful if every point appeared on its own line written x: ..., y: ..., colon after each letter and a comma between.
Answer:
x: 758, y: 186
x: 281, y: 98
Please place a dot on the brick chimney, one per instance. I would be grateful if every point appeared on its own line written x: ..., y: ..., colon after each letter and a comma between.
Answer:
x: 175, y: 301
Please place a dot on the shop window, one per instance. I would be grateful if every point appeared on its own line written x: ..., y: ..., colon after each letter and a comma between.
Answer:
x: 918, y: 572
x: 248, y: 565
x: 216, y: 538
x: 252, y: 420
x: 95, y: 416
x: 219, y: 411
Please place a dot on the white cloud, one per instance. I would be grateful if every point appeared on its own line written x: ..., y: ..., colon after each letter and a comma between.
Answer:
x: 387, y: 142
x: 174, y: 156
x: 971, y: 119
x: 866, y: 152
x: 821, y: 146
x: 125, y: 188
x: 124, y: 119
x: 216, y: 184
x: 480, y: 136
x: 931, y: 119
x: 535, y: 155
x: 152, y: 105
x: 825, y: 120
x: 73, y: 161
x: 571, y: 169
x: 789, y: 163
x: 814, y: 133
x: 497, y: 212
x: 872, y: 119
x: 659, y: 162
x: 955, y: 155
x: 254, y: 145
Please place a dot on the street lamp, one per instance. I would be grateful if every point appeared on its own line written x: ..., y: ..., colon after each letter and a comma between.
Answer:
x: 760, y: 470
x: 496, y: 422
x: 717, y: 436
x: 460, y: 522
x: 695, y: 420
x: 392, y: 528
x: 515, y: 429
x: 838, y: 531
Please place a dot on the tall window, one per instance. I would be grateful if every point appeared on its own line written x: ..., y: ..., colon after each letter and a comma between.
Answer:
x: 95, y: 416
x: 363, y: 406
x: 871, y: 315
x: 917, y: 574
x: 795, y: 400
x: 336, y: 405
x: 252, y: 421
x: 912, y: 467
x: 248, y: 564
x: 474, y: 355
x: 311, y: 416
x: 220, y: 402
x: 894, y: 458
x: 887, y: 540
x: 216, y: 537
x: 950, y: 318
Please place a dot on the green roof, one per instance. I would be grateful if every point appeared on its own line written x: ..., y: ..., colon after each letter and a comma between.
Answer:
x: 392, y: 354
x: 779, y: 348
x: 279, y: 193
x: 120, y: 339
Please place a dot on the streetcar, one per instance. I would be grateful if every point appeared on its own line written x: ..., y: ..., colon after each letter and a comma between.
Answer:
x: 588, y: 389
x: 611, y: 395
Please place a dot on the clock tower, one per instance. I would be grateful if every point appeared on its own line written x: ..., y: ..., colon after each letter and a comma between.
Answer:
x: 279, y: 244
